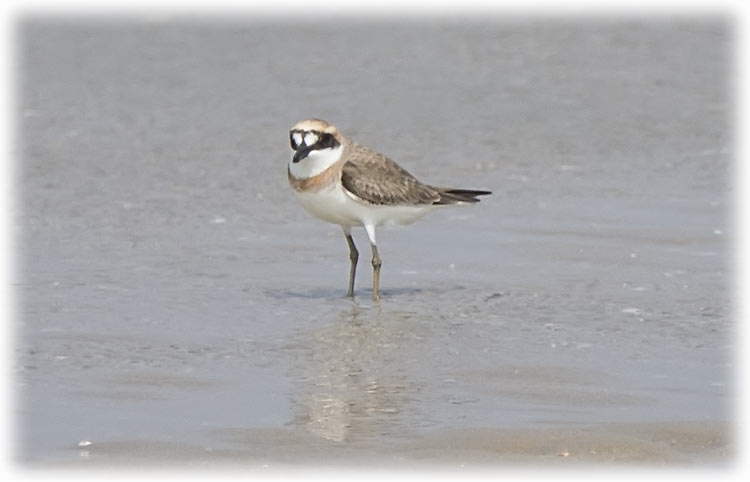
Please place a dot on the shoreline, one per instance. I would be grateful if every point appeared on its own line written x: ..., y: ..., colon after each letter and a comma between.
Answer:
x: 660, y: 444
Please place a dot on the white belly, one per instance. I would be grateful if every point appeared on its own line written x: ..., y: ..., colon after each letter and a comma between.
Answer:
x: 336, y: 206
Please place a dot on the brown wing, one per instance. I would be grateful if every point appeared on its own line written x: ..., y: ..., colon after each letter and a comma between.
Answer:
x: 378, y: 180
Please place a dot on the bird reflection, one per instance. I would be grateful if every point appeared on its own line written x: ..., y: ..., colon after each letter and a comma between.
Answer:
x: 353, y: 380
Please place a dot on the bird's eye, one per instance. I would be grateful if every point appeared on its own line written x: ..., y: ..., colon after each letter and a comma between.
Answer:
x: 295, y: 139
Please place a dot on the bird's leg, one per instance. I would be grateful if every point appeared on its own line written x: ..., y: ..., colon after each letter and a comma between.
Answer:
x: 376, y: 263
x: 353, y: 258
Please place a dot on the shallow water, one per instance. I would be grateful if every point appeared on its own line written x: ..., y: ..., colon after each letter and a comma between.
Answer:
x: 171, y: 293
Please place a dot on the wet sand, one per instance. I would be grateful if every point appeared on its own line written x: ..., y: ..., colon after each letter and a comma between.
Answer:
x: 686, y: 444
x: 177, y: 306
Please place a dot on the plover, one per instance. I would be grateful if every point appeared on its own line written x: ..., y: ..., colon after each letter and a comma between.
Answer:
x: 348, y: 184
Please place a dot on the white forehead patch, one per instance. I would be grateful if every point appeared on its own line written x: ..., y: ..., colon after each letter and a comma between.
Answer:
x: 310, y: 139
x: 297, y: 138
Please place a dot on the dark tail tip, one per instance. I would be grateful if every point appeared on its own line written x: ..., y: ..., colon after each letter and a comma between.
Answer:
x: 454, y: 196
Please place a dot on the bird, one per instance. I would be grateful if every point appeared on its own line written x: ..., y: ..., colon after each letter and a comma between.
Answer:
x: 345, y: 183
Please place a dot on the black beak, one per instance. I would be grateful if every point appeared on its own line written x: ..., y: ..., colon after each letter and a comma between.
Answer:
x: 301, y: 153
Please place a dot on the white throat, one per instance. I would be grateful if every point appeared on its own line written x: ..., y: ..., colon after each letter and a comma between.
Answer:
x: 316, y: 162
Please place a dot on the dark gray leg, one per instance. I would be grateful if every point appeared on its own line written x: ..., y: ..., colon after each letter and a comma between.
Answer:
x: 353, y: 258
x: 376, y: 263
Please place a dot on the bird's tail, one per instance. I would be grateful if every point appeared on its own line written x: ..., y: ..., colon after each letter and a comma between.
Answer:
x: 459, y: 196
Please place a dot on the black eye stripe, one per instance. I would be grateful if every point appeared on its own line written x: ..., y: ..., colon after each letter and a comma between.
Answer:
x: 325, y: 140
